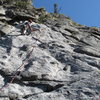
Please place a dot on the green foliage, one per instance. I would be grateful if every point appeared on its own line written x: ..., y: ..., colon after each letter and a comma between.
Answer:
x: 17, y: 3
x: 8, y: 1
x: 74, y: 33
x: 68, y: 18
x: 21, y: 4
x: 42, y: 18
x: 76, y: 24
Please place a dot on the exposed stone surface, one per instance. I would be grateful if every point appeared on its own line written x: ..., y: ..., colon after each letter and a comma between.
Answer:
x: 60, y: 63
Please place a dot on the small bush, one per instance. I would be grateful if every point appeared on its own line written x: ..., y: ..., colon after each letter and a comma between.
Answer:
x: 76, y: 24
x: 69, y: 18
x: 43, y: 18
x: 6, y: 1
x: 21, y: 4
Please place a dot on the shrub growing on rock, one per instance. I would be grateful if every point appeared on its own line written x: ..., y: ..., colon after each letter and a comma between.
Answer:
x: 21, y: 4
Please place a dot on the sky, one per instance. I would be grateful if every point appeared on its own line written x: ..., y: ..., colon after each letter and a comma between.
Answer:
x: 85, y: 12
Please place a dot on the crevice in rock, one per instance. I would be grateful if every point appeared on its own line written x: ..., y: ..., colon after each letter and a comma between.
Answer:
x: 58, y: 86
x: 80, y: 40
x: 95, y: 33
x: 43, y: 45
x: 69, y: 30
x: 35, y: 78
x: 46, y: 88
x: 94, y: 65
x: 75, y: 38
x: 2, y: 15
x: 2, y: 33
x: 17, y: 19
x: 11, y: 99
x: 4, y: 72
x: 20, y: 78
x: 9, y: 76
x: 38, y: 40
x: 24, y: 48
x: 27, y: 76
x: 29, y: 95
x: 88, y: 62
x: 78, y: 50
x: 96, y: 36
x: 3, y: 96
x: 88, y: 93
x: 30, y: 78
x: 52, y: 80
x: 6, y: 43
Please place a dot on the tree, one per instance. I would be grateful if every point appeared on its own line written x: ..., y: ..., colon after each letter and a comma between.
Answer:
x: 56, y: 8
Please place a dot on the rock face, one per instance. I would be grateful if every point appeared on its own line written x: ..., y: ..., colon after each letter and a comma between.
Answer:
x: 13, y: 1
x: 62, y: 62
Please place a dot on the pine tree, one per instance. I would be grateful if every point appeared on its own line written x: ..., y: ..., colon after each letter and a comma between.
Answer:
x: 56, y: 8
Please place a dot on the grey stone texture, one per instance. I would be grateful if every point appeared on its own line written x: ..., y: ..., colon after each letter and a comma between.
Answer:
x: 62, y: 62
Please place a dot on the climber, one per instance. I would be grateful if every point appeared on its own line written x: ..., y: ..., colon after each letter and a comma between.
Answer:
x: 31, y: 26
x: 23, y: 26
x: 28, y: 27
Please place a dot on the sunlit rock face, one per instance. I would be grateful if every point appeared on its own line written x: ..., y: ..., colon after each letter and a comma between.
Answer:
x: 61, y: 62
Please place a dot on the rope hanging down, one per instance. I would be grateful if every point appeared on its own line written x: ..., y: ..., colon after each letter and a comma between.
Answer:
x: 22, y: 65
x: 16, y: 72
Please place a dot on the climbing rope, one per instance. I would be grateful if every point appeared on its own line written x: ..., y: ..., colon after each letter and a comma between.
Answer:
x: 16, y: 72
x: 22, y: 65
